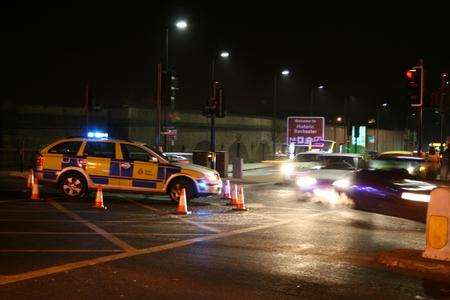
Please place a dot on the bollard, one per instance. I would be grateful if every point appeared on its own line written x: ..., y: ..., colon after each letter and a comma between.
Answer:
x: 237, y: 167
x: 437, y: 233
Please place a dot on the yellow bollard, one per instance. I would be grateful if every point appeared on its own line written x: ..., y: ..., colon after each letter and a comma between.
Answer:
x: 437, y: 233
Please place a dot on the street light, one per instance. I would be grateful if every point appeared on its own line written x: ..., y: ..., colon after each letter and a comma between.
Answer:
x: 312, y: 95
x: 383, y: 106
x: 284, y: 73
x: 224, y: 54
x: 339, y: 119
x: 181, y: 24
x: 160, y: 109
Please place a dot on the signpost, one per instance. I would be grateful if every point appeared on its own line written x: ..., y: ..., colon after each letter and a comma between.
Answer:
x: 303, y: 131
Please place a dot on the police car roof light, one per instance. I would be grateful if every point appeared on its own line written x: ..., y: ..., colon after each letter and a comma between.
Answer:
x: 97, y: 135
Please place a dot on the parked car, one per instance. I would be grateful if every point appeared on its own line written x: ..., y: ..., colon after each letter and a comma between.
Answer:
x: 75, y: 165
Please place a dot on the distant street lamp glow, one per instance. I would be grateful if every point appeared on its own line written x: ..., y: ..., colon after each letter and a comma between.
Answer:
x: 224, y: 54
x: 182, y: 24
x: 384, y: 104
x: 339, y: 119
x: 285, y: 72
x: 321, y: 86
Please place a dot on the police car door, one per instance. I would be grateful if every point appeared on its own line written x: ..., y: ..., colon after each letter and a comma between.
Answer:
x: 138, y: 168
x: 99, y: 155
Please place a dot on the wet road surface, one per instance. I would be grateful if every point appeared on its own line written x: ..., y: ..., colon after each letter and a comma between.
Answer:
x: 282, y: 248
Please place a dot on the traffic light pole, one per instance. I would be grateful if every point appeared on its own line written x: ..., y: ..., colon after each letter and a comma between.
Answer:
x: 420, y: 109
x: 158, y: 106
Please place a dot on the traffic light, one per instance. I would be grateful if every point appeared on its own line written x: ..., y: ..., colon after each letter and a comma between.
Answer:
x: 172, y: 88
x: 216, y: 103
x: 414, y: 84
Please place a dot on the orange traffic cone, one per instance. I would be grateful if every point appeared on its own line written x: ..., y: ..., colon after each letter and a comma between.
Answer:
x: 234, y: 195
x: 35, y: 190
x: 182, y: 204
x: 226, y: 190
x: 99, y: 198
x: 240, y: 205
x: 30, y: 180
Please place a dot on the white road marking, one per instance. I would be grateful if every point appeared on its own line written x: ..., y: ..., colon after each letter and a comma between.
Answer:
x: 96, y: 233
x: 59, y: 251
x: 99, y: 260
x: 116, y: 241
x: 148, y: 207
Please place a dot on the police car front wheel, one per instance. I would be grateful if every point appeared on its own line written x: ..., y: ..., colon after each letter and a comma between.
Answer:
x: 73, y: 185
x: 176, y: 187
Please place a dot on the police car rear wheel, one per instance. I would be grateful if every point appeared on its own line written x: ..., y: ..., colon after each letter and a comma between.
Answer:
x: 176, y: 188
x: 73, y: 186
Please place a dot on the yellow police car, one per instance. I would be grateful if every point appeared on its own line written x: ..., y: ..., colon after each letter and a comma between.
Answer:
x: 75, y: 165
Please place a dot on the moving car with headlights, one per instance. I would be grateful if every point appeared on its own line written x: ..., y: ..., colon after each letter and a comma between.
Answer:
x: 331, y: 172
x: 392, y: 192
x: 416, y: 166
x: 76, y: 165
x: 301, y: 162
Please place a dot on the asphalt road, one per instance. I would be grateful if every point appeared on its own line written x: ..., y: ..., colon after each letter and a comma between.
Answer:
x: 281, y: 248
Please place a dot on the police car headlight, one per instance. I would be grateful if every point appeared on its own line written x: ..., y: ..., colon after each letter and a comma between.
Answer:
x: 415, y: 197
x: 306, y: 181
x: 212, y: 176
x: 342, y: 184
x: 287, y: 169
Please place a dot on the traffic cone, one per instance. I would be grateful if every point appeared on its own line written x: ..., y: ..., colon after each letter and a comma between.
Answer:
x: 234, y: 196
x: 30, y: 180
x: 240, y: 205
x: 35, y: 190
x: 99, y: 198
x: 182, y: 204
x: 226, y: 190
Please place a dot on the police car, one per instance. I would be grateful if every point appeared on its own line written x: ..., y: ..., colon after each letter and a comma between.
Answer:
x: 76, y: 165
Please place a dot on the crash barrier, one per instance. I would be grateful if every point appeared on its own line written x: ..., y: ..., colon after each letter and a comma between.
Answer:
x: 182, y: 204
x: 214, y: 160
x: 99, y: 198
x: 237, y: 167
x: 437, y: 228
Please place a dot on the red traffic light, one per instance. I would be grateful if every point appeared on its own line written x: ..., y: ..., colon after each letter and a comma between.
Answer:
x: 411, y: 74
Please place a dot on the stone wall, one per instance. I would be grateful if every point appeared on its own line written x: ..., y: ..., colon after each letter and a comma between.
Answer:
x: 32, y: 127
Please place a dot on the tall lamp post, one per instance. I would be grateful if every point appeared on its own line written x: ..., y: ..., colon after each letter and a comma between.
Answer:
x: 284, y: 73
x: 312, y: 95
x: 383, y: 106
x: 223, y: 55
x: 179, y: 25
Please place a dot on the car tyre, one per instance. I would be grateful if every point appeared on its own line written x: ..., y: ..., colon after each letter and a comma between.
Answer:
x: 177, y: 185
x: 73, y: 185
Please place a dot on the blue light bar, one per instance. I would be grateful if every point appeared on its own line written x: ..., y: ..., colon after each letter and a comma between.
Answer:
x: 97, y: 135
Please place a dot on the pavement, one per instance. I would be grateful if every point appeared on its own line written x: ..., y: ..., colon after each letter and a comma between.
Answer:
x: 281, y: 248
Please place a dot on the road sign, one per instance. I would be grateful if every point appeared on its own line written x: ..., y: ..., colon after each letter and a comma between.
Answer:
x: 305, y: 130
x: 169, y: 131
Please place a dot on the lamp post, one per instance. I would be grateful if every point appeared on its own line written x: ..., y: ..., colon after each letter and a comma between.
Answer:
x: 224, y: 55
x: 161, y: 109
x: 312, y: 95
x: 383, y: 106
x: 284, y: 73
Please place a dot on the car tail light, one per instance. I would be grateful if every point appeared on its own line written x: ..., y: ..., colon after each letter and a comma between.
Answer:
x: 39, y: 162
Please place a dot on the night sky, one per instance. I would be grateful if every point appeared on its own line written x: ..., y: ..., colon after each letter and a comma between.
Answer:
x: 49, y: 52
